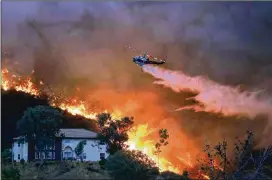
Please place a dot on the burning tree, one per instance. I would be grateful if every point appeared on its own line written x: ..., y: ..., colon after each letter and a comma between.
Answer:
x: 245, y: 164
x: 113, y: 132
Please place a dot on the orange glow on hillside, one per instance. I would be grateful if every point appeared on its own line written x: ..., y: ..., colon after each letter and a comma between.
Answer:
x: 144, y: 106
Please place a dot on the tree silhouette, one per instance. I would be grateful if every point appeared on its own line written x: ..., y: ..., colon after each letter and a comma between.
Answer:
x: 113, y: 132
x: 79, y: 149
x: 40, y: 125
x: 163, y: 134
x: 244, y: 165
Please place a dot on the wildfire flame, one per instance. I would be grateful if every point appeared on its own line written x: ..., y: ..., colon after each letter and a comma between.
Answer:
x: 138, y: 136
x: 77, y: 108
x: 18, y: 83
x: 137, y: 142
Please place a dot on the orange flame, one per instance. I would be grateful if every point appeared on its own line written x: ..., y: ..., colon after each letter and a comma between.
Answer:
x: 19, y: 84
x: 77, y: 108
x: 139, y: 137
x: 137, y: 142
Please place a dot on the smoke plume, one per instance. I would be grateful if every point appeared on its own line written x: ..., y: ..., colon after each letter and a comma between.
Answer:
x: 81, y: 45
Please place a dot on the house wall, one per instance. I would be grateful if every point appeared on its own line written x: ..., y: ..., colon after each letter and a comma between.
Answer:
x: 22, y: 151
x: 91, y: 148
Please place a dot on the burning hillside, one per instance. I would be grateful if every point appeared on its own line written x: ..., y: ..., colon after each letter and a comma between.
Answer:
x: 77, y: 53
x: 148, y: 120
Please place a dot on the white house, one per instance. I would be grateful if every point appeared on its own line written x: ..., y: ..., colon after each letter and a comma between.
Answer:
x: 64, y: 147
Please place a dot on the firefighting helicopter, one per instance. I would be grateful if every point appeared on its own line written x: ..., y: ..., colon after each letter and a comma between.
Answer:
x: 146, y: 59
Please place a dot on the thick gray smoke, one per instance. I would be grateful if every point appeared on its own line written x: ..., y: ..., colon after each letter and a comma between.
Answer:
x: 228, y: 42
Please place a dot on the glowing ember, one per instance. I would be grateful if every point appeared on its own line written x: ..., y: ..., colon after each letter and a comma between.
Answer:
x: 205, y: 176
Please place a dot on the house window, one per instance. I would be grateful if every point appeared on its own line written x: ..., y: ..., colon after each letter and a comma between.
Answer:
x: 37, y: 155
x: 84, y: 155
x: 49, y: 155
x: 50, y: 147
x: 67, y: 141
x: 102, y: 155
x: 18, y: 144
x: 68, y: 154
x: 19, y: 156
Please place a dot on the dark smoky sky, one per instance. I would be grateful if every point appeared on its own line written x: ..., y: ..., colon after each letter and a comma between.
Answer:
x: 229, y: 42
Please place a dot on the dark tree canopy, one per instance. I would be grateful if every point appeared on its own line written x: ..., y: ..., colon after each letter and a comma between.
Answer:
x: 14, y: 104
x: 40, y: 124
x: 168, y: 175
x: 133, y: 165
x: 6, y: 156
x: 113, y: 132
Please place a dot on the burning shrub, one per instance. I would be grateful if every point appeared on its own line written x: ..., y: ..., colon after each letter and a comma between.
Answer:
x: 132, y: 165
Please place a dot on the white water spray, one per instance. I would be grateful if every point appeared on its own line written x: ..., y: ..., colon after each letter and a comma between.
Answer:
x: 214, y: 97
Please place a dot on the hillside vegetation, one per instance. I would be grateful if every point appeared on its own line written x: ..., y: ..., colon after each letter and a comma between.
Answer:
x: 57, y: 170
x: 18, y: 111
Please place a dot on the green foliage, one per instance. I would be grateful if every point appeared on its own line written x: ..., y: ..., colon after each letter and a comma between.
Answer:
x: 113, y: 132
x: 93, y: 167
x: 22, y: 161
x: 79, y: 149
x: 64, y: 167
x: 102, y: 163
x: 40, y: 124
x: 131, y: 165
x: 10, y: 173
x: 167, y: 175
x: 6, y: 156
